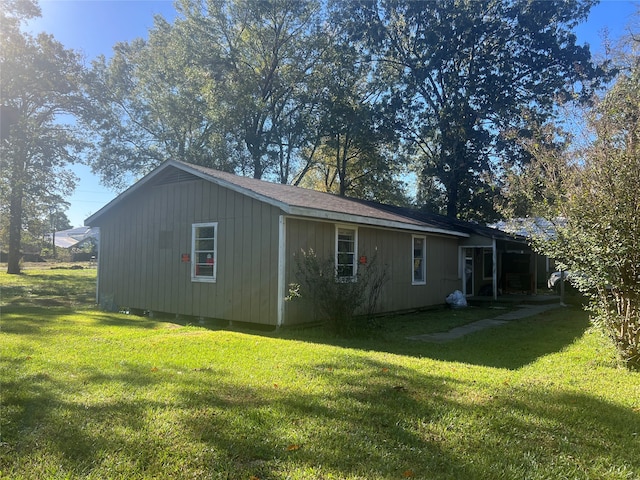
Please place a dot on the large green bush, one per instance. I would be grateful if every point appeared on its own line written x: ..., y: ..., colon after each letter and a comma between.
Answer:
x: 593, y: 193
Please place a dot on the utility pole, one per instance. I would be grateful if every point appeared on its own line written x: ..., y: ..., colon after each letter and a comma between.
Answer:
x: 52, y: 211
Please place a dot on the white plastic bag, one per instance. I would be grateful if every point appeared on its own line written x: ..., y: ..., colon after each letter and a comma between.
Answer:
x: 456, y: 299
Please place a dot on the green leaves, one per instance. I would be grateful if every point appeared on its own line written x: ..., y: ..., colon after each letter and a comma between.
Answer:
x: 225, y: 86
x: 598, y: 201
x: 43, y: 89
x: 338, y: 301
x: 466, y: 73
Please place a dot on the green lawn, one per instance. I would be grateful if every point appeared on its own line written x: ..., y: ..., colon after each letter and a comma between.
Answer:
x: 88, y: 394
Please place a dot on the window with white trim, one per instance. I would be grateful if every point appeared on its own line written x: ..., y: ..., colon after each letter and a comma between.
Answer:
x: 204, y: 240
x: 346, y: 253
x: 418, y: 258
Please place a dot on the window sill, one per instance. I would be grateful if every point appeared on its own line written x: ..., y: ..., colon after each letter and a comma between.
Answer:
x: 203, y: 280
x: 346, y: 279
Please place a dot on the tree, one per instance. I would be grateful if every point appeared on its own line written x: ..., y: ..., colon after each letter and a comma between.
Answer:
x: 41, y: 83
x: 225, y: 86
x: 594, y: 192
x: 356, y: 154
x: 462, y: 74
x: 152, y: 104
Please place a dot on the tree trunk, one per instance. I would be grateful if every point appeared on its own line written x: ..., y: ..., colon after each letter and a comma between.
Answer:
x: 452, y: 199
x: 15, y: 231
x: 341, y: 157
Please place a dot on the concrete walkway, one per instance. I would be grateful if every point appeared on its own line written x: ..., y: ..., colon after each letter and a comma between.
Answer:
x: 523, y: 311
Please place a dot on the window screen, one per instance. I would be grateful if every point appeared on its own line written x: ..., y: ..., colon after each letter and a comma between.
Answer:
x: 203, y: 255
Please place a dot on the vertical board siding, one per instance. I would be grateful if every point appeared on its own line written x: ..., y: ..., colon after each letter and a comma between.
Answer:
x: 237, y: 259
x: 245, y: 298
x: 305, y: 235
x: 442, y: 267
x: 138, y: 270
x: 392, y: 251
x: 136, y: 273
x: 186, y: 303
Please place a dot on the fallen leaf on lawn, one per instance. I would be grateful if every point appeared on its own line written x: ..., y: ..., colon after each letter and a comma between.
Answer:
x: 275, y: 385
x: 154, y: 369
x: 385, y: 369
x: 293, y: 448
x: 407, y: 473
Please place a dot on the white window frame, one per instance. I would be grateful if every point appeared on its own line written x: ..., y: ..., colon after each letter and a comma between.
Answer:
x: 195, y: 277
x: 355, y: 252
x: 423, y: 268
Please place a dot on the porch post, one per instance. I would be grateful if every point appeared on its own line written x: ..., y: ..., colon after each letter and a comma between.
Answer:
x: 461, y: 267
x: 98, y: 265
x: 535, y: 273
x: 282, y: 236
x: 495, y: 268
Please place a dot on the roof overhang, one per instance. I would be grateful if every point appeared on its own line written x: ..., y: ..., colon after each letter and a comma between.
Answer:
x: 149, y: 178
x: 362, y: 220
x: 312, y: 213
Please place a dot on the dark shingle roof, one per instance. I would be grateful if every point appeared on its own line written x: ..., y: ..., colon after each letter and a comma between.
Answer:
x: 442, y: 221
x: 311, y: 203
x: 304, y: 198
x: 308, y: 203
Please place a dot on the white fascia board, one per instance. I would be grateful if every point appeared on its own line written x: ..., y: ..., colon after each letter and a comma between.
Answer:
x: 362, y: 220
x: 318, y: 213
x: 286, y: 208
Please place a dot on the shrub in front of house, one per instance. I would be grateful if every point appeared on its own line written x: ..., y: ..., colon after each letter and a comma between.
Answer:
x: 346, y: 304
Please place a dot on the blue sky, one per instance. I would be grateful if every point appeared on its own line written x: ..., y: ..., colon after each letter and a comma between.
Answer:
x: 95, y: 26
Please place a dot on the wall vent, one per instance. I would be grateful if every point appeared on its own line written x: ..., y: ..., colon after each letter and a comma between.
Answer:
x: 174, y: 175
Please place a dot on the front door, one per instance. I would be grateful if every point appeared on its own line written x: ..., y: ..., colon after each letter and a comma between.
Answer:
x: 468, y: 271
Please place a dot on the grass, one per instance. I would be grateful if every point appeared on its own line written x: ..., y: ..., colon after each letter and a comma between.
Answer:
x: 94, y: 395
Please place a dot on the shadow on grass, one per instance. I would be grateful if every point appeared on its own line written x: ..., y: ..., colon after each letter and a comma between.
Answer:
x: 511, y: 345
x: 343, y: 416
x: 515, y: 344
x: 363, y: 420
x: 43, y: 321
x: 48, y: 289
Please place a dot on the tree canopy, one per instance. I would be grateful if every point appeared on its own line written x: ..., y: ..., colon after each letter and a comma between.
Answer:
x: 591, y: 192
x: 466, y: 77
x: 227, y: 85
x: 346, y: 93
x: 41, y: 82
